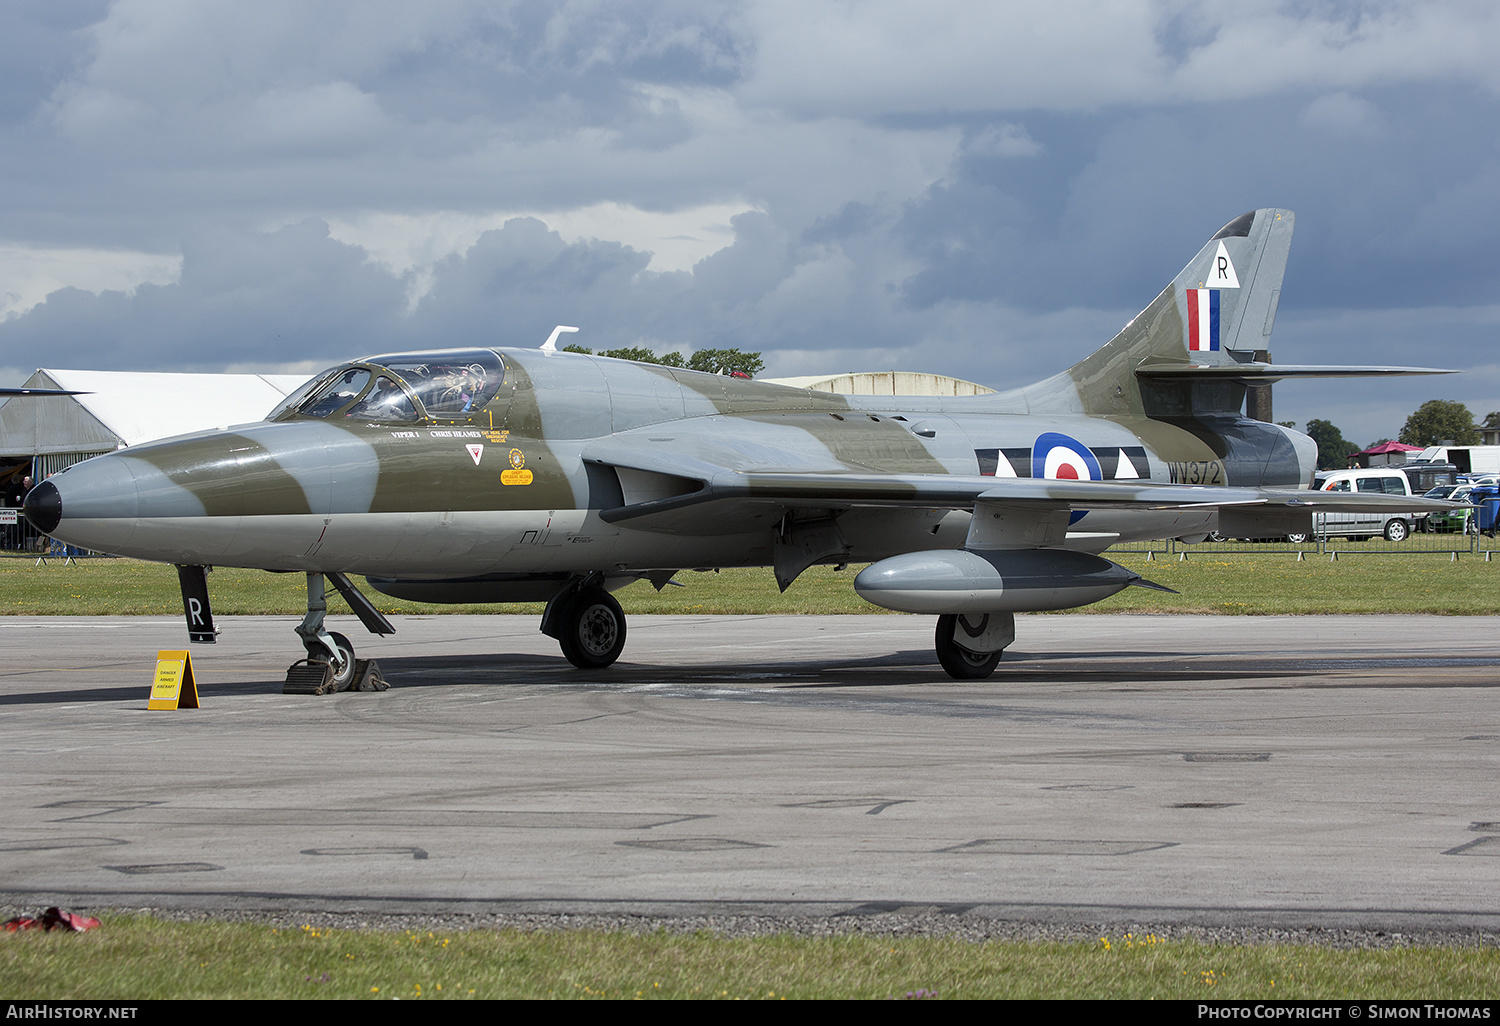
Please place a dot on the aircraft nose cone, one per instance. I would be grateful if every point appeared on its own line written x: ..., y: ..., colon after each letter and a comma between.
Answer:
x: 43, y: 507
x: 93, y: 504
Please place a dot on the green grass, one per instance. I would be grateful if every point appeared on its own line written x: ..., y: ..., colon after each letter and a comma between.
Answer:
x: 1209, y: 582
x: 136, y: 957
x: 1278, y: 584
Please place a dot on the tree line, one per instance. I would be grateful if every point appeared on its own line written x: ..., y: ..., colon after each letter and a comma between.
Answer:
x: 713, y: 361
x: 1435, y: 422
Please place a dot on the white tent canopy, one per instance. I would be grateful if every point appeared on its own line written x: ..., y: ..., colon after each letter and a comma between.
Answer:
x: 129, y: 407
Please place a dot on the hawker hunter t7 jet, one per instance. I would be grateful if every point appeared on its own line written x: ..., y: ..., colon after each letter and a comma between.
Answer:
x: 501, y: 475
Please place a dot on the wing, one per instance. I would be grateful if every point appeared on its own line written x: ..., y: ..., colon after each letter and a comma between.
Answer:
x: 667, y: 489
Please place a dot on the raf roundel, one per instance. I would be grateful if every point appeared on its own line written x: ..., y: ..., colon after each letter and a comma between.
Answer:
x: 1062, y: 457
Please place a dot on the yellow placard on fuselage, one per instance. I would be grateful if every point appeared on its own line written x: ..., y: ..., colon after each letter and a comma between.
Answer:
x: 515, y: 477
x: 174, y: 686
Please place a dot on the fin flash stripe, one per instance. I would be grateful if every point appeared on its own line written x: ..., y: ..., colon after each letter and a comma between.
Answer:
x: 1203, y: 320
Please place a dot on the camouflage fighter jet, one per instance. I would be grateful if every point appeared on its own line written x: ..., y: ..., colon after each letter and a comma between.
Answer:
x: 502, y: 475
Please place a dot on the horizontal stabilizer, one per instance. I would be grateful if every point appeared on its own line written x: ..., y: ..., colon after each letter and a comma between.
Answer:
x: 1264, y: 373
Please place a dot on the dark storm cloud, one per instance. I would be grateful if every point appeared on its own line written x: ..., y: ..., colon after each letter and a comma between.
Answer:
x: 41, y: 42
x: 1396, y: 219
x: 518, y: 282
x: 247, y: 298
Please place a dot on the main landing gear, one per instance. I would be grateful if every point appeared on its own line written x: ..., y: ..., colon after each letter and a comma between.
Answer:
x: 587, y: 622
x: 969, y: 644
x: 590, y: 626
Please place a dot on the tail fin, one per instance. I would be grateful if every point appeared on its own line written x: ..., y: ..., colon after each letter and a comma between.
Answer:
x: 1217, y: 313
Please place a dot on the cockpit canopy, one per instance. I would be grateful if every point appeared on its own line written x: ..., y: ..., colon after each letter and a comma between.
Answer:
x: 407, y: 388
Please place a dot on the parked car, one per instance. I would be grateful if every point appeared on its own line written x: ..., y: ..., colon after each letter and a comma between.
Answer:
x: 1454, y: 520
x: 1389, y: 481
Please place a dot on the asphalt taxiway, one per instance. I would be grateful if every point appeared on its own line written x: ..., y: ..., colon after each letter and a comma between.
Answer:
x: 1266, y: 771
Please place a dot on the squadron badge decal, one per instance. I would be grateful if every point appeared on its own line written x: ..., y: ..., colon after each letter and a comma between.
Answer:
x: 517, y: 474
x: 475, y: 451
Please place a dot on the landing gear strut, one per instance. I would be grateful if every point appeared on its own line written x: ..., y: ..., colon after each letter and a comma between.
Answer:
x: 587, y: 622
x: 333, y: 649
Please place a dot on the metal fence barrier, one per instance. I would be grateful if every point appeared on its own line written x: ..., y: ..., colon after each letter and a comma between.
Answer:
x: 1468, y: 544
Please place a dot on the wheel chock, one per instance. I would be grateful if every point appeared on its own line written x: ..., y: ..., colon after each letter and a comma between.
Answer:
x: 309, y: 677
x: 367, y: 677
x: 315, y: 677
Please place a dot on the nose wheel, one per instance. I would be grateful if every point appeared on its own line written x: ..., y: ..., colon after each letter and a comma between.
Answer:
x: 340, y: 663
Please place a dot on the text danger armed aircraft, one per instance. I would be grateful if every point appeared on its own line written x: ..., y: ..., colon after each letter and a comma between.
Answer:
x: 496, y: 475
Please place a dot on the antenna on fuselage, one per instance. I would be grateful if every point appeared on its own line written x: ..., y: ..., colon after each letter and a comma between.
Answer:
x: 550, y: 346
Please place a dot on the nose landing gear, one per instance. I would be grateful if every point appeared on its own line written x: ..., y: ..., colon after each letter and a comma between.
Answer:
x: 331, y: 665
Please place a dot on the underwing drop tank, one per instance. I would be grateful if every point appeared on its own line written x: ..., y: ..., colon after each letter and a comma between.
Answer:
x: 992, y: 581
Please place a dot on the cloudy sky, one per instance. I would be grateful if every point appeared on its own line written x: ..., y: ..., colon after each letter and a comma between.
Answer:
x: 984, y: 189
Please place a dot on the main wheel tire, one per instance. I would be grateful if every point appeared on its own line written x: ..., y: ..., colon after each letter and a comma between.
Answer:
x: 960, y: 663
x: 1396, y: 530
x: 593, y: 632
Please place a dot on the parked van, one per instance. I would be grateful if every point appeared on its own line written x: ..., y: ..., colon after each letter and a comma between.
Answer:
x: 1426, y: 476
x: 1387, y: 480
x: 1469, y: 459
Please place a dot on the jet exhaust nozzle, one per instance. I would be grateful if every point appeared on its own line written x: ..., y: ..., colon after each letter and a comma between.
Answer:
x: 991, y: 581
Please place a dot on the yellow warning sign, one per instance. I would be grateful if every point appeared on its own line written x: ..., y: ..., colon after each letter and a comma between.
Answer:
x: 174, y: 687
x: 515, y: 477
